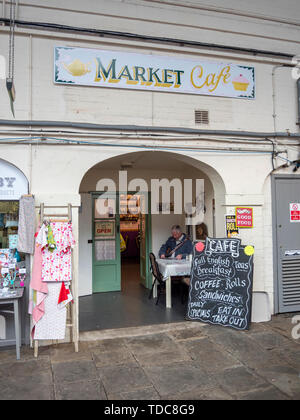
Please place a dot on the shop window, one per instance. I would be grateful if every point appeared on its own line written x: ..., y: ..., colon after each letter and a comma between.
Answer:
x: 9, y: 256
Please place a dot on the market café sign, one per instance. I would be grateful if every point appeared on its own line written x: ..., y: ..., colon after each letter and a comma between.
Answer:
x: 13, y: 183
x: 89, y: 67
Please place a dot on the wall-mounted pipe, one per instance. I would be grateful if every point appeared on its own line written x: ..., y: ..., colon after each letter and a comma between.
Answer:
x: 4, y: 9
x: 149, y: 38
x: 274, y: 115
x: 146, y: 129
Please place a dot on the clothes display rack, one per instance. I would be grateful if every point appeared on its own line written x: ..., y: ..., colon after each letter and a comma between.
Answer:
x: 72, y: 308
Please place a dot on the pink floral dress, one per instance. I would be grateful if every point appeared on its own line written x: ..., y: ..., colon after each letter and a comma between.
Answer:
x: 57, y: 265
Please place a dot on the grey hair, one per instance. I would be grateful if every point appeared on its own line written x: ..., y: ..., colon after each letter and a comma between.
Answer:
x: 177, y: 228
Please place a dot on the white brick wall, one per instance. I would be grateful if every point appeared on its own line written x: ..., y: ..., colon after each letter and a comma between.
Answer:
x: 255, y: 24
x: 56, y: 172
x: 114, y: 106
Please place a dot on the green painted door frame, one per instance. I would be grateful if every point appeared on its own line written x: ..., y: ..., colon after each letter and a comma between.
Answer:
x: 146, y: 245
x: 106, y: 246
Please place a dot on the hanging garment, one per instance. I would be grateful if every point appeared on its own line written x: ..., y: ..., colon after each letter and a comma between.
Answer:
x: 52, y: 326
x: 51, y: 241
x: 57, y: 263
x: 42, y: 236
x: 56, y: 273
x: 26, y: 228
x: 39, y: 289
x: 65, y: 295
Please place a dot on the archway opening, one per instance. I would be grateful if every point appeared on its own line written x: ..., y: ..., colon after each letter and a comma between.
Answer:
x: 135, y: 176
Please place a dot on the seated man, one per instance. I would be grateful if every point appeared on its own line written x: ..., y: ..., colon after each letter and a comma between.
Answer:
x: 177, y: 246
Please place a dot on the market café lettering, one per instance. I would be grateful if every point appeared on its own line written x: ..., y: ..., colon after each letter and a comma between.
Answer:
x: 151, y: 76
x: 137, y: 74
x: 125, y: 70
x: 212, y: 80
x: 159, y: 77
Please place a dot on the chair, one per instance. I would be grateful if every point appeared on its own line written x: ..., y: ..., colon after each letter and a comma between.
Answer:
x: 158, y: 278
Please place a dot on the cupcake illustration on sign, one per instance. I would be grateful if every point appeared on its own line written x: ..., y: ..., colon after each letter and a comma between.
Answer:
x: 77, y: 68
x: 240, y: 83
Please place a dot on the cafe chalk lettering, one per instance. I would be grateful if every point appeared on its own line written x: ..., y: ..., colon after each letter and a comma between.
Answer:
x: 219, y: 266
x: 222, y: 246
x: 221, y: 283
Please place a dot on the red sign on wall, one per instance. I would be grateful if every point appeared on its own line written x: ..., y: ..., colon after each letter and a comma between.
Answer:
x: 294, y: 212
x: 244, y: 217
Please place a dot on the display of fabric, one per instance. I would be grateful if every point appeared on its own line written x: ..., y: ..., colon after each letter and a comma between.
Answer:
x: 42, y: 236
x: 26, y: 228
x: 52, y: 325
x: 65, y: 295
x: 39, y: 289
x: 51, y: 279
x: 57, y: 262
x: 51, y: 241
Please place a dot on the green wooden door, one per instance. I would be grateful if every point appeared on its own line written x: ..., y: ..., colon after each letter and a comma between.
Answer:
x: 145, y: 240
x: 106, y: 243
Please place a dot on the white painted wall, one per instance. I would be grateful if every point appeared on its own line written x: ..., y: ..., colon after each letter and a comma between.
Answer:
x: 55, y: 172
x: 241, y: 177
x: 259, y: 23
x: 45, y: 101
x: 38, y: 98
x: 85, y: 274
x: 161, y: 229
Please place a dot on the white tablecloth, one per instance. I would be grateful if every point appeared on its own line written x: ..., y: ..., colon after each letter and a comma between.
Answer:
x: 174, y: 267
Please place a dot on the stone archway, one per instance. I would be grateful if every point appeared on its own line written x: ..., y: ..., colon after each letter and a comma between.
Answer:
x: 148, y: 165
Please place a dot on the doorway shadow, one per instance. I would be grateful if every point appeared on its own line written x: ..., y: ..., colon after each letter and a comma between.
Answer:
x: 129, y: 308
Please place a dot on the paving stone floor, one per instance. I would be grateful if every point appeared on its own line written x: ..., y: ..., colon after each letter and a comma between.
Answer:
x: 193, y: 361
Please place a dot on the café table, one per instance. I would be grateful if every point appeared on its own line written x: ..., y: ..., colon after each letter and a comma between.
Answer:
x: 12, y: 297
x: 170, y: 268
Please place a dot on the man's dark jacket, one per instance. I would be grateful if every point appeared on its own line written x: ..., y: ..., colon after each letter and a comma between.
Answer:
x: 184, y: 250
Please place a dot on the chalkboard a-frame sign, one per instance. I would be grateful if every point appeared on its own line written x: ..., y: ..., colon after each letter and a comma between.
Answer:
x: 221, y: 283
